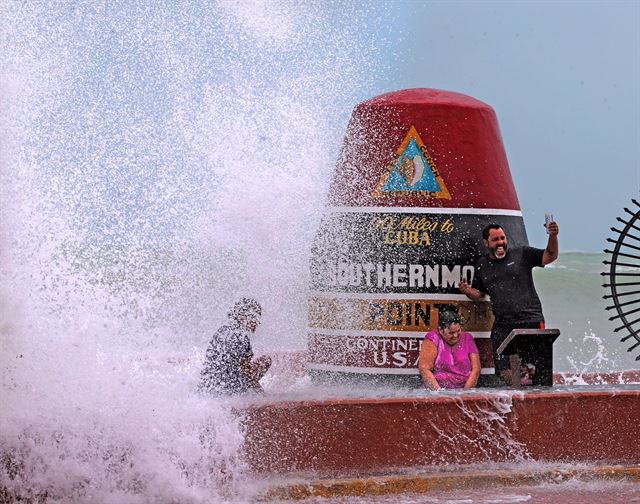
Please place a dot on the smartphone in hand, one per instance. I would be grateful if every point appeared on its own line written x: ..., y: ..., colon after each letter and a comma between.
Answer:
x: 547, y: 219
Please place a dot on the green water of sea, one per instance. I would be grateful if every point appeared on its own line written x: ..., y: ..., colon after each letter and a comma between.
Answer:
x: 571, y: 292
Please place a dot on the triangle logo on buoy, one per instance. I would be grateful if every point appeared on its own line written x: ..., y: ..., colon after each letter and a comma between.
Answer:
x: 413, y: 171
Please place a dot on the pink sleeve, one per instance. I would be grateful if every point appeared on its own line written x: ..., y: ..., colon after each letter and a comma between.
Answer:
x: 432, y: 336
x: 469, y: 343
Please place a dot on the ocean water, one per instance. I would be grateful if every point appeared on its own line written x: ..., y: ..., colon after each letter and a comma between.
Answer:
x: 571, y: 292
x: 157, y: 162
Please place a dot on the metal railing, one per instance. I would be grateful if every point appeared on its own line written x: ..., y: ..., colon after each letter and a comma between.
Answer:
x: 624, y: 277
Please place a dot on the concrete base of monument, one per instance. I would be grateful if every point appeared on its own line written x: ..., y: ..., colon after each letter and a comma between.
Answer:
x: 366, y: 440
x: 352, y: 436
x: 364, y: 445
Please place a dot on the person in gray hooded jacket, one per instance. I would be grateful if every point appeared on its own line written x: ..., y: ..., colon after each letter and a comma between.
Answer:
x: 229, y: 366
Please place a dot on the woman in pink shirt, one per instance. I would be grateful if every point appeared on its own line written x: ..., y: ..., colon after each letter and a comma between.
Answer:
x: 449, y: 357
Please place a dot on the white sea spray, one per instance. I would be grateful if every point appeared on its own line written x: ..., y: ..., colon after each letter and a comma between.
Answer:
x: 153, y: 166
x: 485, y: 426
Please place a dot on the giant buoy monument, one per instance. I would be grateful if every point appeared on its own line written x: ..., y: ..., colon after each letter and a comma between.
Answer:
x: 421, y: 172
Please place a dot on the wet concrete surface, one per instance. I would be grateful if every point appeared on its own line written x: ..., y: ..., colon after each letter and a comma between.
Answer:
x: 578, y: 492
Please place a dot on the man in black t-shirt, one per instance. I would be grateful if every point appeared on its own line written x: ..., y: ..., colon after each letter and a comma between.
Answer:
x: 229, y: 366
x: 506, y: 276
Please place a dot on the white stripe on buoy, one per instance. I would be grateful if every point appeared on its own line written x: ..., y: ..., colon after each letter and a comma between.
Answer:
x: 393, y: 295
x: 382, y: 334
x: 368, y: 370
x: 424, y: 210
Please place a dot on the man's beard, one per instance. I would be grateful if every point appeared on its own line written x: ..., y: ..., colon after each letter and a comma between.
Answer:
x: 499, y: 252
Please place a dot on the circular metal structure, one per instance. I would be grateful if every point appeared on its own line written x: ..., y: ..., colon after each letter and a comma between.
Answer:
x: 624, y: 277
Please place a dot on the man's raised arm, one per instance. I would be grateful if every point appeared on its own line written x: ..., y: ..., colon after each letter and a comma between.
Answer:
x: 552, y: 251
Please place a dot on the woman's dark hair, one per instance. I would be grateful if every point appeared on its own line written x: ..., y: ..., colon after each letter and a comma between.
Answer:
x: 448, y: 317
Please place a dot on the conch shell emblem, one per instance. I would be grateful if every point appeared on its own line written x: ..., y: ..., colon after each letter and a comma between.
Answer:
x: 411, y: 172
x: 411, y: 169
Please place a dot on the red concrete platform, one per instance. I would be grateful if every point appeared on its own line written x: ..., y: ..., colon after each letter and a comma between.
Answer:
x: 365, y: 436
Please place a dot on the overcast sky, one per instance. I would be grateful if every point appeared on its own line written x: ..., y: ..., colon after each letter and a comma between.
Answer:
x: 130, y: 108
x: 564, y: 80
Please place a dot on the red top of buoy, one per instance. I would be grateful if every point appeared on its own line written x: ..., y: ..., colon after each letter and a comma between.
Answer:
x: 426, y: 95
x: 423, y: 148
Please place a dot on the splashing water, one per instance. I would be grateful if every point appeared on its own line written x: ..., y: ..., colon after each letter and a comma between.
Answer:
x: 154, y: 162
x: 485, y: 426
x: 597, y: 362
x: 157, y: 162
